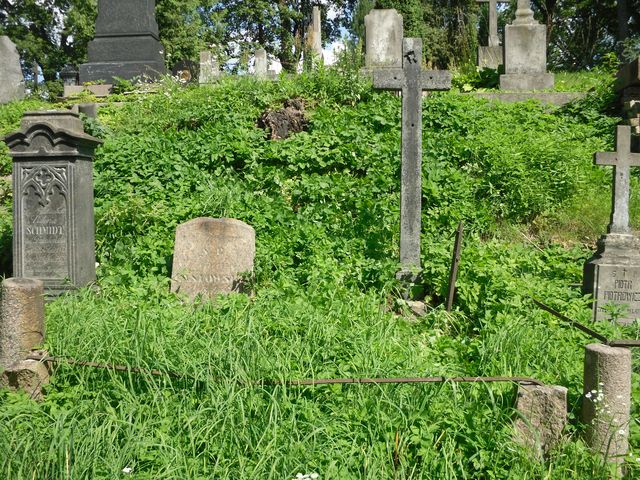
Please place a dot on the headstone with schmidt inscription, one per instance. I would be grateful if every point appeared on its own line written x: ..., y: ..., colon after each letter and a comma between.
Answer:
x: 384, y: 33
x: 53, y: 222
x: 211, y: 255
x: 612, y: 275
x: 11, y: 77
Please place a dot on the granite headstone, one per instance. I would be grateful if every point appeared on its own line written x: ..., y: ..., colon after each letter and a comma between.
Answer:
x: 209, y: 68
x: 525, y: 53
x: 53, y: 223
x: 612, y: 275
x: 491, y: 55
x: 126, y: 43
x: 210, y: 254
x: 11, y: 77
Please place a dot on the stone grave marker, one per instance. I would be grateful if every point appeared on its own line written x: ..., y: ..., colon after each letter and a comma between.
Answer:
x: 411, y: 80
x: 11, y: 78
x: 612, y: 275
x: 491, y: 55
x: 383, y: 38
x: 210, y: 254
x: 314, y: 34
x: 53, y: 223
x: 209, y: 68
x: 525, y: 53
x: 126, y: 44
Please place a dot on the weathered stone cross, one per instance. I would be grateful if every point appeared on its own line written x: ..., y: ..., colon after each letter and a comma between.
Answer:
x: 411, y: 79
x: 494, y: 40
x: 622, y: 161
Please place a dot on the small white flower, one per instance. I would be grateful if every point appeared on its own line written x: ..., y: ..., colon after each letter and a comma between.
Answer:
x: 127, y: 470
x: 300, y: 476
x: 314, y: 476
x: 601, y: 384
x: 588, y: 395
x: 594, y: 391
x: 621, y: 432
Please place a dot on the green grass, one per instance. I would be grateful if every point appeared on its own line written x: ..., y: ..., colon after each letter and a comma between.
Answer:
x: 325, y: 208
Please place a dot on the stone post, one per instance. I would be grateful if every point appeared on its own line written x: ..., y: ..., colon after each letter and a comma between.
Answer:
x: 384, y: 35
x: 11, y: 78
x: 21, y: 319
x: 209, y: 68
x: 261, y: 64
x: 607, y: 404
x: 21, y: 331
x: 542, y: 417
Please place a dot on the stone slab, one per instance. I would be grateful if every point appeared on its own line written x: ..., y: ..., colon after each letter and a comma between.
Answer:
x: 383, y: 38
x: 523, y: 82
x: 542, y: 411
x: 95, y: 90
x: 28, y: 376
x: 612, y: 277
x: 11, y: 77
x: 209, y: 68
x: 210, y: 255
x: 490, y: 57
x: 628, y: 75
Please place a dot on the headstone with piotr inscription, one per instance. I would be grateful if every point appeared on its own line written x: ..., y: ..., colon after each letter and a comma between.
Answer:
x: 212, y: 256
x: 612, y: 275
x: 53, y: 224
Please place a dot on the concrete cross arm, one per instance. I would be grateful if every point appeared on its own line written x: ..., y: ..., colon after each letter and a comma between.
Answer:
x: 623, y: 157
x: 395, y: 79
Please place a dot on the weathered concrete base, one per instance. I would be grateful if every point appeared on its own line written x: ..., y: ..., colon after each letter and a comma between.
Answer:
x: 97, y: 90
x: 607, y: 404
x: 612, y: 277
x: 490, y: 57
x: 28, y: 376
x: 524, y: 82
x: 21, y: 319
x: 542, y: 417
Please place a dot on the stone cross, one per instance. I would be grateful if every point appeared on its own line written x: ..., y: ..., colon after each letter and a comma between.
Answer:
x: 494, y: 40
x: 412, y: 80
x: 622, y: 161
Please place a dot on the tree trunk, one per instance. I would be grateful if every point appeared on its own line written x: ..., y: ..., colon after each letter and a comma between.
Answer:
x: 623, y: 20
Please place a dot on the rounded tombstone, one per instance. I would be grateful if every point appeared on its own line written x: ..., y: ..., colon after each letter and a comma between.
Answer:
x: 212, y: 256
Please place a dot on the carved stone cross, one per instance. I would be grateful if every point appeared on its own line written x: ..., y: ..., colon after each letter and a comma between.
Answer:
x: 494, y: 40
x: 622, y: 161
x: 412, y: 80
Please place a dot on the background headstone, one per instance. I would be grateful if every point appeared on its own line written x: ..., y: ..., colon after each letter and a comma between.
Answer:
x: 186, y: 71
x: 384, y: 32
x: 209, y: 68
x: 53, y: 223
x: 11, y: 77
x: 491, y: 55
x: 210, y: 254
x: 525, y: 53
x: 126, y: 44
x: 314, y: 34
x: 261, y: 65
x: 69, y: 75
x: 612, y: 275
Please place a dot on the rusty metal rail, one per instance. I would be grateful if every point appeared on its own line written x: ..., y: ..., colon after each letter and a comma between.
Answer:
x: 293, y: 383
x: 598, y: 336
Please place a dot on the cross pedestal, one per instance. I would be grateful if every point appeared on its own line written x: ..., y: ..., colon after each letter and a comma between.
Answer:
x: 411, y: 80
x: 490, y: 56
x: 612, y: 275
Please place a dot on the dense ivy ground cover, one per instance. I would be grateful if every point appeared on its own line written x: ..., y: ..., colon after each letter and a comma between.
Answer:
x: 325, y: 206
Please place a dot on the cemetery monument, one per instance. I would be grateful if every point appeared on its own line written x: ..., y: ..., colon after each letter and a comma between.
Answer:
x: 525, y: 53
x: 384, y: 34
x: 314, y: 34
x: 126, y: 43
x: 209, y: 68
x: 11, y: 77
x: 53, y: 224
x: 492, y: 55
x: 210, y: 254
x: 411, y: 80
x: 612, y: 275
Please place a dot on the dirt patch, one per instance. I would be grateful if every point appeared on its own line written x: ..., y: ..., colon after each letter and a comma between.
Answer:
x: 281, y: 124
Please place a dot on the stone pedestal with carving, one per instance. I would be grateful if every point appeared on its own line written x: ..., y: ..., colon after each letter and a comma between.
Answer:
x: 525, y: 53
x: 53, y: 224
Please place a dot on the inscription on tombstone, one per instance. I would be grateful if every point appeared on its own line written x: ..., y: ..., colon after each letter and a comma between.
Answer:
x: 210, y: 254
x: 384, y: 34
x: 53, y: 200
x: 612, y: 275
